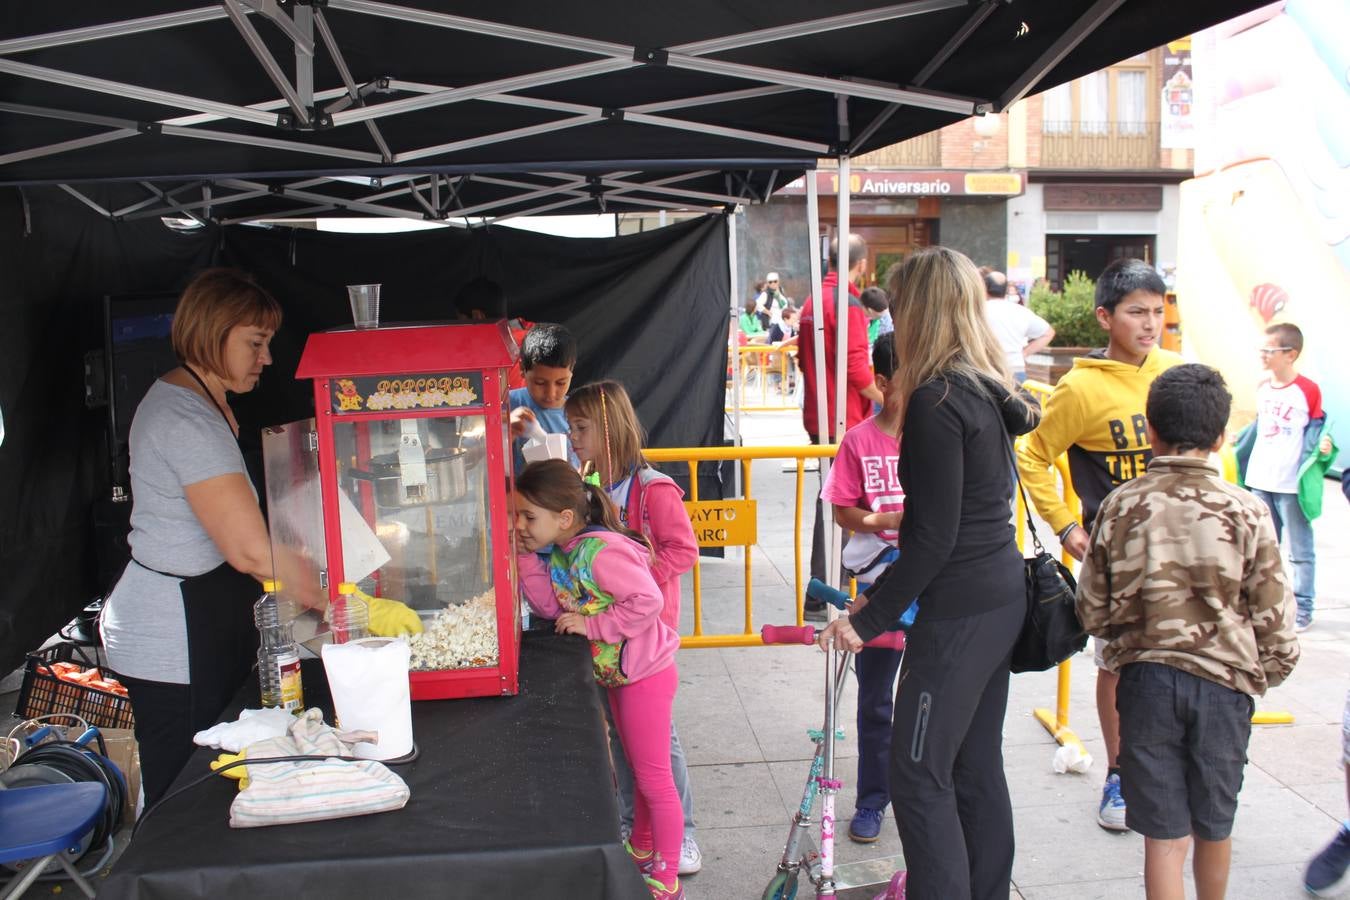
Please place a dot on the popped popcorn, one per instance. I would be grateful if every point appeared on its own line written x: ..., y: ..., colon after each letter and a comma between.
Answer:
x: 458, y: 637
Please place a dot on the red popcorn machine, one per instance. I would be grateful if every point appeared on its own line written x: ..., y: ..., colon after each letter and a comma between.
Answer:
x: 400, y: 485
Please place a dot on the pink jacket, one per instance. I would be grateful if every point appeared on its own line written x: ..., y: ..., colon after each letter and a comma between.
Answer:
x: 621, y: 570
x: 655, y: 507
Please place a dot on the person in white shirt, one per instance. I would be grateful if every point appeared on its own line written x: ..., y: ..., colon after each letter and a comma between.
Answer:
x: 1019, y: 330
x: 772, y: 300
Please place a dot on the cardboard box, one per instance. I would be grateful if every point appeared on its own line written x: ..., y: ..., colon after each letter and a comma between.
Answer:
x: 125, y: 754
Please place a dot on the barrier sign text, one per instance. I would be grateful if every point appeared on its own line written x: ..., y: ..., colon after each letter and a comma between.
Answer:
x: 723, y: 523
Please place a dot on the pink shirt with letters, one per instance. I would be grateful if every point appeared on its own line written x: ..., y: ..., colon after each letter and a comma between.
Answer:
x: 864, y: 476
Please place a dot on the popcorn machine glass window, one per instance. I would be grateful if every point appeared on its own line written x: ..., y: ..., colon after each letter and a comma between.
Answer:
x: 412, y: 437
x: 421, y: 487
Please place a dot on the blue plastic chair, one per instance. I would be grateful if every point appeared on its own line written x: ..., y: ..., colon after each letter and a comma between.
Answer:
x: 41, y: 823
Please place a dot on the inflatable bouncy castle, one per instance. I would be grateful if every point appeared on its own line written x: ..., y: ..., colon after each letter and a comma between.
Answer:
x: 1264, y: 235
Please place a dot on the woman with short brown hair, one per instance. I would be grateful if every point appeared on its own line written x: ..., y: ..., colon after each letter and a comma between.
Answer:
x: 178, y: 626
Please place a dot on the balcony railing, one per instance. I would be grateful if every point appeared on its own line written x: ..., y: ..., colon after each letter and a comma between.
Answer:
x: 1100, y: 145
x: 924, y: 151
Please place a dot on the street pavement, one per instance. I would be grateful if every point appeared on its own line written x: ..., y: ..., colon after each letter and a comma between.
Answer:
x: 743, y: 715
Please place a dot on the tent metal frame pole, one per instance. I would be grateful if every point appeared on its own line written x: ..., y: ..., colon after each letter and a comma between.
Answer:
x: 639, y: 187
x: 511, y: 135
x: 153, y: 198
x: 836, y: 542
x: 164, y: 196
x: 345, y: 73
x: 304, y: 53
x: 964, y: 106
x: 634, y: 114
x: 269, y: 63
x: 1087, y: 23
x: 478, y: 91
x: 819, y: 302
x: 740, y: 134
x: 733, y: 343
x: 768, y: 90
x: 85, y: 200
x: 954, y: 43
x: 277, y: 143
x: 287, y: 214
x: 135, y: 92
x: 483, y: 27
x: 65, y: 146
x: 111, y: 29
x: 271, y: 9
x: 359, y: 205
x: 818, y: 26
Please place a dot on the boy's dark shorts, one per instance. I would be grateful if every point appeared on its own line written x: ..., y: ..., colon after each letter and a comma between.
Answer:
x: 1183, y: 745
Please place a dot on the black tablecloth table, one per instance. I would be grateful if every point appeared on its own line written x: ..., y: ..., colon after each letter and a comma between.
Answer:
x: 511, y: 797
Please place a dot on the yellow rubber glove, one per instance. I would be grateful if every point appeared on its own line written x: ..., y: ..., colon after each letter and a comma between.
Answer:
x: 389, y: 618
x: 238, y: 773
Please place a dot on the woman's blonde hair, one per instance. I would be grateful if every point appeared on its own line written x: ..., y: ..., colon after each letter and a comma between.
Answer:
x: 937, y: 304
x: 606, y: 405
x: 213, y: 303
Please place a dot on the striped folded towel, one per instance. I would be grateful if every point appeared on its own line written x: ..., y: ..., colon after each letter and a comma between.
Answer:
x: 284, y: 792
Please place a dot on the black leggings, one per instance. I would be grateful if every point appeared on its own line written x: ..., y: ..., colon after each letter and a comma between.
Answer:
x: 946, y: 775
x: 164, y: 731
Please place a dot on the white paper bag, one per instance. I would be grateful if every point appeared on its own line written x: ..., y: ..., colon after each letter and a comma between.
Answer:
x: 369, y: 682
x: 554, y: 446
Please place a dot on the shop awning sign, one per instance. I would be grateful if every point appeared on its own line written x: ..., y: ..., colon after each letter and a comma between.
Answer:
x: 723, y: 523
x: 915, y: 183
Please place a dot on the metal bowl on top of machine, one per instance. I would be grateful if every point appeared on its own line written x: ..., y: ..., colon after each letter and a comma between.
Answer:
x: 446, y: 479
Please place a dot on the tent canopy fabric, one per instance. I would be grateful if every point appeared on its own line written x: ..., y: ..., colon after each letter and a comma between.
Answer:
x: 445, y: 111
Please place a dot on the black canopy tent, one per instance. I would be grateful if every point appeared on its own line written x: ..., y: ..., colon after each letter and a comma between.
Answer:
x: 253, y: 109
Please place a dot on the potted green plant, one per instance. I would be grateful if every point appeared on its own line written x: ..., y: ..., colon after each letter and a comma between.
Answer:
x: 1072, y: 313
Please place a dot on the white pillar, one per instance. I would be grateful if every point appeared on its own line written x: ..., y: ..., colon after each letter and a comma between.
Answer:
x: 733, y: 343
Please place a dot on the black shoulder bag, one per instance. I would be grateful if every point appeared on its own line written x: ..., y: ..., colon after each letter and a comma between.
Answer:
x: 1051, y: 632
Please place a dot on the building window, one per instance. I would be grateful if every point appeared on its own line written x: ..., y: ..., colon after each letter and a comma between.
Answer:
x: 1094, y: 103
x: 1057, y: 111
x: 1131, y: 100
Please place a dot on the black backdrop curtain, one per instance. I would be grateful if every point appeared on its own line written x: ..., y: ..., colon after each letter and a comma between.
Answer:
x: 649, y: 310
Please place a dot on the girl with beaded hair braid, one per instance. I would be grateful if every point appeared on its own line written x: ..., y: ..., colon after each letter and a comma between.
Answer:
x: 608, y: 439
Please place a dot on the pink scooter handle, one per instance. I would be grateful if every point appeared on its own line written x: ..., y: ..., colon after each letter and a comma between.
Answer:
x: 805, y: 634
x: 788, y: 634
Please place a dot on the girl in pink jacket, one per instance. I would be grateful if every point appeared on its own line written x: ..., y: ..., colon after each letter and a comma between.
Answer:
x: 607, y: 437
x: 585, y: 570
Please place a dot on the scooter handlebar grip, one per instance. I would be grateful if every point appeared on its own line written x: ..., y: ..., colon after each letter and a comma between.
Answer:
x: 819, y: 590
x: 888, y: 640
x: 788, y: 634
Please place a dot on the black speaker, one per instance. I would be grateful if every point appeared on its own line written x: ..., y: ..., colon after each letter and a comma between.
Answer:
x: 136, y: 351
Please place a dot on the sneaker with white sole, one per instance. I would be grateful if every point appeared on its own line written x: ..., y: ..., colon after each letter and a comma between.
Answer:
x: 1327, y: 870
x: 1111, y: 814
x: 691, y: 858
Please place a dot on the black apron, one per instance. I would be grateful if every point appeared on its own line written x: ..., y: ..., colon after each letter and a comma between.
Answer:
x: 222, y: 641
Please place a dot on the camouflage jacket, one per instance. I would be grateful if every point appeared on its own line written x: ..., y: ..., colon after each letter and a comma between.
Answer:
x: 1184, y: 569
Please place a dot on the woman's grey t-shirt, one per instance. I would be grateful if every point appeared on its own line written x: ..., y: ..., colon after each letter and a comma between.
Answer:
x: 177, y: 438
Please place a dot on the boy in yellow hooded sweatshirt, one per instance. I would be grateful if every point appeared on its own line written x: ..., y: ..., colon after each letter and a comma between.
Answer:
x: 1096, y: 415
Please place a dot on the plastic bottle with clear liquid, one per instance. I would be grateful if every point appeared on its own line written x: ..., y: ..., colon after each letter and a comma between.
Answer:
x: 279, y: 682
x: 348, y: 615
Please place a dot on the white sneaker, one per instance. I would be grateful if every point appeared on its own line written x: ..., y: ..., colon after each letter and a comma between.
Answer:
x: 691, y: 858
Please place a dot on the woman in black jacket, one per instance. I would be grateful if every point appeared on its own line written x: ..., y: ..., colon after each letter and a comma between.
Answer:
x: 960, y: 558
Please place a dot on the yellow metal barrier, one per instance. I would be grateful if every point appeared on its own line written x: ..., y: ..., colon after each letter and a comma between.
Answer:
x: 763, y: 360
x: 1057, y: 722
x: 748, y: 637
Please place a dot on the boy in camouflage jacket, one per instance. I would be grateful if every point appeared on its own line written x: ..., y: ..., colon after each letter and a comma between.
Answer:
x: 1183, y: 579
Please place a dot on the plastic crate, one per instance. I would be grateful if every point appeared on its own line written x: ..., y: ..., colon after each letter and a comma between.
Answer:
x: 42, y: 693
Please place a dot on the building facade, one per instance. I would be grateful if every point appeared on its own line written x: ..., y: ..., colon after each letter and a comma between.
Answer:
x: 1065, y: 180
